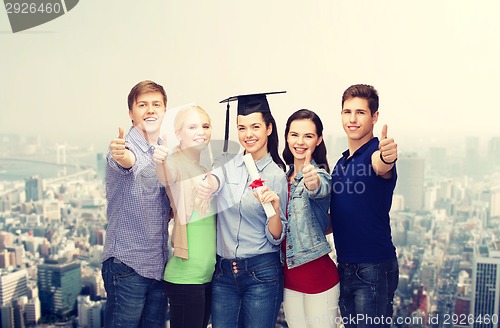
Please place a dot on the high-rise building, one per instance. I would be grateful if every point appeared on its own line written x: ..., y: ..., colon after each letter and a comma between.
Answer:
x: 4, y: 259
x: 6, y: 239
x: 13, y: 285
x: 6, y: 316
x: 472, y: 150
x: 438, y: 161
x: 494, y: 152
x: 18, y: 305
x: 486, y: 286
x: 33, y: 311
x: 429, y: 275
x: 410, y: 183
x: 17, y: 254
x: 33, y: 188
x: 494, y: 202
x: 59, y: 285
x: 5, y: 203
x: 101, y: 166
x: 89, y: 312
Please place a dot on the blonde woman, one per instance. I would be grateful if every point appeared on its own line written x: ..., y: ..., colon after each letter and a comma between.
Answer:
x: 189, y: 272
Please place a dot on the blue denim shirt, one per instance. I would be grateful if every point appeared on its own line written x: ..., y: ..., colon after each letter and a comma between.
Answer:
x: 242, y: 225
x: 307, y: 219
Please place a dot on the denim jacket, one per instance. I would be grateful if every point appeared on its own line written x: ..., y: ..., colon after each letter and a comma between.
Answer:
x: 307, y: 219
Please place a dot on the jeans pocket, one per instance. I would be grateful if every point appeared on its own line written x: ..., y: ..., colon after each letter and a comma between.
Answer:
x: 268, y: 274
x: 369, y: 274
x: 218, y: 273
x: 120, y: 270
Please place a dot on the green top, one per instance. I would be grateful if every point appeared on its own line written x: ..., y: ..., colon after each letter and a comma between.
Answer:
x: 200, y: 266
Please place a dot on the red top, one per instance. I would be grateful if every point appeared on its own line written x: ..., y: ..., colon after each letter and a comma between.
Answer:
x: 313, y: 277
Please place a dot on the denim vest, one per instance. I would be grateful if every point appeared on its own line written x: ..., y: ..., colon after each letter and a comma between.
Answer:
x: 307, y: 220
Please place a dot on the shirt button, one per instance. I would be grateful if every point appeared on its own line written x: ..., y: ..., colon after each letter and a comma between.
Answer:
x: 290, y: 246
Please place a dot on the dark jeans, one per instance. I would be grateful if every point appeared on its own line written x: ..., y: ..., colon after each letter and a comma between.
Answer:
x: 133, y: 301
x: 367, y: 292
x: 247, y: 292
x: 189, y: 305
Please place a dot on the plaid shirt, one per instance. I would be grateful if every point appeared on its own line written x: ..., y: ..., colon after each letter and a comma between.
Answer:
x: 138, y: 211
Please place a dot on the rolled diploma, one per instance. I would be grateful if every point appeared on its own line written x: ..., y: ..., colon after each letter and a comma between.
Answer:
x: 254, y: 175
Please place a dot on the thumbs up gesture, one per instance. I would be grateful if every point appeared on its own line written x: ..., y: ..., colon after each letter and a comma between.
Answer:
x: 117, y: 146
x: 207, y: 186
x: 161, y: 151
x: 311, y: 178
x: 387, y: 147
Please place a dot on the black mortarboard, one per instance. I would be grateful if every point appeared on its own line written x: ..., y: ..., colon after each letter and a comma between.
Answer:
x: 247, y: 104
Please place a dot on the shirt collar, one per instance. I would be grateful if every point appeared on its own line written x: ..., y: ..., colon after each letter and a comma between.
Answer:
x: 361, y: 149
x: 140, y: 141
x: 261, y: 163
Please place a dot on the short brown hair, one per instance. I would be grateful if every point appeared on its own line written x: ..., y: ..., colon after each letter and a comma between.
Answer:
x: 143, y: 87
x: 363, y: 91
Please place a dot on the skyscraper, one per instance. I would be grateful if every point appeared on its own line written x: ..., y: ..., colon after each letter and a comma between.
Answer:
x: 472, y: 151
x: 494, y: 152
x: 438, y: 161
x: 59, y: 285
x: 89, y: 312
x: 12, y: 286
x: 33, y: 188
x: 101, y: 166
x: 410, y: 182
x: 486, y: 286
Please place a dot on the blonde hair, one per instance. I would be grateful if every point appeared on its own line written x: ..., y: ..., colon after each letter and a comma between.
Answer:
x: 180, y: 117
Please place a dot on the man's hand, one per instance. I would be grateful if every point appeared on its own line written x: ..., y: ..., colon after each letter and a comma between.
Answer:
x: 388, y: 148
x: 383, y: 159
x: 120, y: 153
x: 117, y: 146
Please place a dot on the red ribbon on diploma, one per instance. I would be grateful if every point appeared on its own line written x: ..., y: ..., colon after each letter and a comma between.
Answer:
x: 256, y: 183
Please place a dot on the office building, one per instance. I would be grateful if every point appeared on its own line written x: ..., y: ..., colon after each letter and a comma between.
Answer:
x: 13, y: 284
x: 33, y: 188
x: 486, y: 285
x: 59, y: 284
x: 101, y: 166
x: 89, y: 312
x: 410, y: 183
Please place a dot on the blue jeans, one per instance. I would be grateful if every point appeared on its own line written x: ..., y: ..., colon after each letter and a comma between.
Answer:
x: 247, y: 292
x: 367, y: 292
x: 132, y: 300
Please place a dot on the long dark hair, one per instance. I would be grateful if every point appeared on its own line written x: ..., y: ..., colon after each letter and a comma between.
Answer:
x: 319, y: 154
x: 272, y: 140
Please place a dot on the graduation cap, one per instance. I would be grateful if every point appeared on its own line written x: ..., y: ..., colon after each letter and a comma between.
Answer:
x: 247, y: 104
